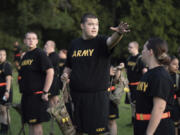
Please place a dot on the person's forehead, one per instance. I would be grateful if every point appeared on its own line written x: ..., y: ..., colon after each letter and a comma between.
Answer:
x: 131, y: 45
x: 2, y: 52
x: 31, y: 35
x: 175, y: 60
x: 93, y: 20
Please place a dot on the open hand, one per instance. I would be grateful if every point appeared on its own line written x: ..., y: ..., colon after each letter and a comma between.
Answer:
x: 122, y: 28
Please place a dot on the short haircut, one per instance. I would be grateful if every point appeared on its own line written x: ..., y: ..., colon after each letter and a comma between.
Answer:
x: 135, y: 43
x: 87, y: 15
x: 52, y: 43
x: 31, y: 32
x: 3, y: 50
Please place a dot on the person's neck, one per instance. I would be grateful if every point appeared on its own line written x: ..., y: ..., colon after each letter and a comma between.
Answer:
x: 85, y: 37
x: 30, y: 49
x: 135, y: 53
x: 153, y: 64
x: 2, y: 62
x: 50, y: 52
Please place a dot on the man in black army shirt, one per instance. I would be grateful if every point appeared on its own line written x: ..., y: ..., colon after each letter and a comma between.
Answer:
x: 5, y: 91
x: 135, y: 69
x: 88, y: 67
x: 36, y: 75
x: 49, y: 48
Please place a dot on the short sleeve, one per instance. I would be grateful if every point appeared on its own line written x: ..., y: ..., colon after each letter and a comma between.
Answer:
x: 103, y: 45
x: 45, y: 61
x: 7, y: 69
x: 160, y: 87
x: 69, y: 54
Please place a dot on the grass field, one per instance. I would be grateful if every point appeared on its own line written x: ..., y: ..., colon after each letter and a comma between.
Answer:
x: 124, y: 113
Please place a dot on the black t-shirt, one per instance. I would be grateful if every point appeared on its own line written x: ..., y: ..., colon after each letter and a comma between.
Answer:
x: 33, y: 71
x: 155, y: 83
x: 54, y: 58
x: 176, y: 88
x: 5, y: 70
x: 134, y: 68
x: 17, y: 52
x: 90, y: 64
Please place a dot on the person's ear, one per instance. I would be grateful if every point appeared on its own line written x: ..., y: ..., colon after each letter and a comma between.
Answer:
x: 82, y: 26
x: 151, y: 52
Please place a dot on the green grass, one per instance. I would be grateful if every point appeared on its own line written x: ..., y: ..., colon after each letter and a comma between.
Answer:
x: 124, y: 113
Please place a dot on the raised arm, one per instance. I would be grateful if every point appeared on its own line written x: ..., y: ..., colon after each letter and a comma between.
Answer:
x: 121, y: 29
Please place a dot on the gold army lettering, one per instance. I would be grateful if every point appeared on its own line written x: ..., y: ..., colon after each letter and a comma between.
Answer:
x: 130, y: 63
x: 100, y: 129
x: 81, y: 53
x: 27, y: 62
x: 142, y: 86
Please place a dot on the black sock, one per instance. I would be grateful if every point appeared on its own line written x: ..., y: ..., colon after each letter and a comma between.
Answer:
x: 133, y: 119
x: 4, y: 127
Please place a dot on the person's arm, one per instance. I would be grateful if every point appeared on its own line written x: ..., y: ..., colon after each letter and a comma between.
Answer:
x: 48, y: 82
x: 159, y: 105
x: 117, y: 35
x: 8, y: 86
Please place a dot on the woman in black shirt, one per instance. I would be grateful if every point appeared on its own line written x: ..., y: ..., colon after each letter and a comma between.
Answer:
x: 154, y: 92
x: 175, y: 113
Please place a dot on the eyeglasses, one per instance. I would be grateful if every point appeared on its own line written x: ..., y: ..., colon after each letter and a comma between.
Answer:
x: 31, y: 38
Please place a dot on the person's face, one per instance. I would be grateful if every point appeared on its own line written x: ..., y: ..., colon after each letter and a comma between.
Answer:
x: 90, y: 27
x: 145, y: 53
x: 31, y: 40
x: 47, y: 47
x: 16, y: 43
x: 62, y: 55
x: 131, y: 48
x: 2, y: 56
x: 174, y: 65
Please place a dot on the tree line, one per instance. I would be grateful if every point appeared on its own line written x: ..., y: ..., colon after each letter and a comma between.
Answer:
x: 59, y: 20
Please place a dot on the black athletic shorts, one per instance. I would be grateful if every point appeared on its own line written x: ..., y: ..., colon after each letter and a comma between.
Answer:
x: 113, y: 111
x: 165, y: 127
x: 175, y: 112
x: 91, y: 111
x: 34, y: 109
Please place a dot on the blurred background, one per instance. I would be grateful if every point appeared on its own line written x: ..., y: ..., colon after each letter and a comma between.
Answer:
x: 59, y: 20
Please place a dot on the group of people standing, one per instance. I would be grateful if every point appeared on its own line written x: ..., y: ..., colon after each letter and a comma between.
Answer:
x: 154, y: 88
x: 87, y: 70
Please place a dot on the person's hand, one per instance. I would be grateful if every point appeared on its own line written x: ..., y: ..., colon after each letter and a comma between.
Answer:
x: 121, y: 66
x: 6, y: 94
x: 112, y: 71
x: 65, y: 77
x: 121, y: 28
x: 45, y: 96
